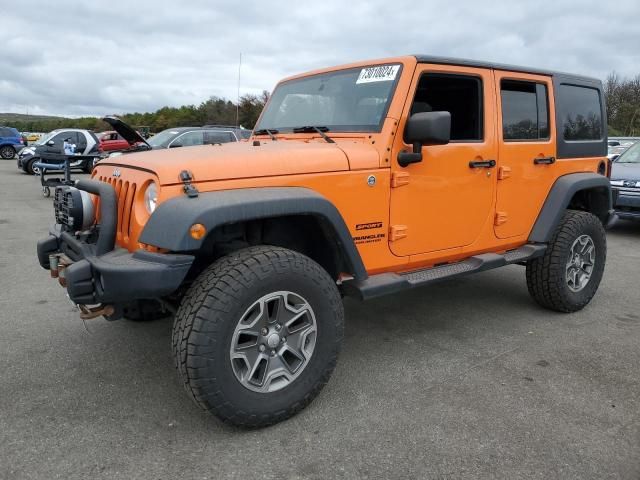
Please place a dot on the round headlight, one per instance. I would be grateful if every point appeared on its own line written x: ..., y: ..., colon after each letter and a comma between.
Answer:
x: 151, y: 197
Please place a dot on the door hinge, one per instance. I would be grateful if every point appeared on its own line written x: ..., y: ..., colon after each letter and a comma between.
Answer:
x: 504, y: 172
x: 398, y: 179
x: 396, y: 232
x: 500, y: 218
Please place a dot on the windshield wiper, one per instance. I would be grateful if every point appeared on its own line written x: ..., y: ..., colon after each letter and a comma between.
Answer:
x: 267, y: 131
x: 312, y: 128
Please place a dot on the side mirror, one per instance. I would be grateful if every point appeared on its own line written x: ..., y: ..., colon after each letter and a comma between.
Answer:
x: 425, y: 128
x: 51, y: 143
x: 175, y: 145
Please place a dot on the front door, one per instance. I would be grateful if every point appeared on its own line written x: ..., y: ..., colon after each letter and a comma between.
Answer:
x: 444, y: 201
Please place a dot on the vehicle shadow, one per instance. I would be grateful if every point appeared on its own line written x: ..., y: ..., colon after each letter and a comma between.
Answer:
x: 626, y: 227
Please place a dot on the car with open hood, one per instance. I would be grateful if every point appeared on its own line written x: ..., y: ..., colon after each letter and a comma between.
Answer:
x: 175, y: 137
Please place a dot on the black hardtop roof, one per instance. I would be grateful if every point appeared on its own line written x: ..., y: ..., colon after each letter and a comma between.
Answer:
x: 501, y: 66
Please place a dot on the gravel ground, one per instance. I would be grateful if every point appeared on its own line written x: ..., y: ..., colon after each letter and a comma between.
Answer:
x: 465, y: 379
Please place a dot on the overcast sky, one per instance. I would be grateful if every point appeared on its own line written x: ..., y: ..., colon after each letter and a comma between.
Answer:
x: 99, y: 57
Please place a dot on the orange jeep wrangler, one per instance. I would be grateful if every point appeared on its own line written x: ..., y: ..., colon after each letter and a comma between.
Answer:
x: 361, y: 180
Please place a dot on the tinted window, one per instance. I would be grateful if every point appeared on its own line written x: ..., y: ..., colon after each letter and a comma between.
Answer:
x: 459, y: 95
x: 7, y: 132
x: 525, y: 115
x: 81, y: 142
x: 582, y: 115
x: 189, y: 139
x: 218, y: 137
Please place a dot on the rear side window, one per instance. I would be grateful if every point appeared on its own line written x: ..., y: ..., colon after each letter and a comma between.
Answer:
x: 525, y: 112
x: 582, y: 113
x: 460, y: 95
x: 8, y: 132
x: 211, y: 137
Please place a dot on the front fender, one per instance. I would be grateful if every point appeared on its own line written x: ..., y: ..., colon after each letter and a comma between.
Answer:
x: 169, y: 225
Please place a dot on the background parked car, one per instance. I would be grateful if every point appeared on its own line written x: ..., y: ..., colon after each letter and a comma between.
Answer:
x: 176, y: 137
x: 50, y: 147
x: 33, y: 137
x: 112, y: 141
x: 11, y: 142
x: 625, y: 183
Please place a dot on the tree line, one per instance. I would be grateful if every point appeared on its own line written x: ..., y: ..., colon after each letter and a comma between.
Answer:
x: 622, y: 98
x: 214, y: 111
x: 623, y: 105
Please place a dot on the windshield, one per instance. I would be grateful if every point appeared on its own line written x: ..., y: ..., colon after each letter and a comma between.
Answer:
x: 632, y: 155
x: 354, y: 100
x: 163, y: 138
x: 45, y: 138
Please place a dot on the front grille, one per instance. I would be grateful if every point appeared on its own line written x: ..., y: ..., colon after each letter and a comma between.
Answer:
x: 125, y: 193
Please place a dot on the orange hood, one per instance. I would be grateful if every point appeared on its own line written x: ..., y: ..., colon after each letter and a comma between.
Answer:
x: 243, y: 160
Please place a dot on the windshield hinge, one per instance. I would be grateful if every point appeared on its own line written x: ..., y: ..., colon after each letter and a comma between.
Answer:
x: 189, y: 189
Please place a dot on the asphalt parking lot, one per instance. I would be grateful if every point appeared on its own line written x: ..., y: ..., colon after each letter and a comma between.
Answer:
x: 466, y: 379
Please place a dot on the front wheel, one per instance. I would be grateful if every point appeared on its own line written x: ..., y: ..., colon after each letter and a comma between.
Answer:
x: 567, y: 276
x: 31, y: 169
x: 258, y: 334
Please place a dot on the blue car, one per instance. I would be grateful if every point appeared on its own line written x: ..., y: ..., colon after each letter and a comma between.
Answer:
x: 11, y: 142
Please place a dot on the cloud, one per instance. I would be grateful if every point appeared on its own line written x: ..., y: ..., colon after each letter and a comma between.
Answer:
x: 94, y: 58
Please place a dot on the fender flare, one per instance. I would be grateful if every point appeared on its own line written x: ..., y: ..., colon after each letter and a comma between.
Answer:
x: 559, y: 197
x: 168, y: 227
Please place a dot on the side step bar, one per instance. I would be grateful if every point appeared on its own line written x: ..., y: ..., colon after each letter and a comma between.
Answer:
x: 386, y: 283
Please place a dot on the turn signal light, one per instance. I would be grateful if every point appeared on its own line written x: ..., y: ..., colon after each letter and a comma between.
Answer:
x: 197, y: 231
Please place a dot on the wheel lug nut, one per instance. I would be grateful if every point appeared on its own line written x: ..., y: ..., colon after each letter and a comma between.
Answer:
x: 284, y: 339
x: 273, y: 353
x: 264, y: 332
x: 278, y: 327
x: 261, y: 348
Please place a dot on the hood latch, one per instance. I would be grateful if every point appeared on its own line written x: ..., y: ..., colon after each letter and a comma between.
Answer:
x: 189, y: 189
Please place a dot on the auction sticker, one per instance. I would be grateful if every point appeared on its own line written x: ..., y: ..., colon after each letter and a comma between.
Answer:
x: 381, y: 73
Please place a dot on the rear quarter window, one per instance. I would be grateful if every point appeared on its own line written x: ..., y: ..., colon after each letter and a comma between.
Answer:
x: 581, y: 113
x: 580, y: 117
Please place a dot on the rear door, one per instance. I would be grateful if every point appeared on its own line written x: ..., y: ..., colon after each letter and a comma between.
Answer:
x: 444, y: 201
x: 526, y: 158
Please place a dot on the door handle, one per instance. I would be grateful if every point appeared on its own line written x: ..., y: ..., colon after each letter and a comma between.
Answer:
x: 544, y: 160
x: 482, y: 164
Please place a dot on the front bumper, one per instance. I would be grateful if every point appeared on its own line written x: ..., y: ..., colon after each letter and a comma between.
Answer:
x: 626, y: 202
x: 98, y: 272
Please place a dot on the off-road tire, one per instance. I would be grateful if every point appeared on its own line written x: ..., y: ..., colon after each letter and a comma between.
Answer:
x: 546, y: 276
x: 210, y: 312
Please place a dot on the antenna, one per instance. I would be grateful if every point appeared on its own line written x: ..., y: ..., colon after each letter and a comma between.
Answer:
x: 238, y: 97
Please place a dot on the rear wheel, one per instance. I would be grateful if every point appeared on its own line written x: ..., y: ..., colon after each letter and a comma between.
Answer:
x: 7, y: 152
x: 567, y: 277
x: 258, y: 334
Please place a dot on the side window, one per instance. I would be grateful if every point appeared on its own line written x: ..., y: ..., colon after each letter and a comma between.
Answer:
x: 58, y: 140
x: 460, y: 95
x: 190, y: 138
x: 581, y: 113
x: 81, y: 142
x: 525, y: 112
x: 5, y: 132
x: 211, y: 137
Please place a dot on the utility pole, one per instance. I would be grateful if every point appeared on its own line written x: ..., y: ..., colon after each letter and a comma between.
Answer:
x: 238, y: 97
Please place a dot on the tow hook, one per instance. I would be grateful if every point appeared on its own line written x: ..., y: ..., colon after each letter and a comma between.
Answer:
x: 57, y: 264
x: 87, y: 313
